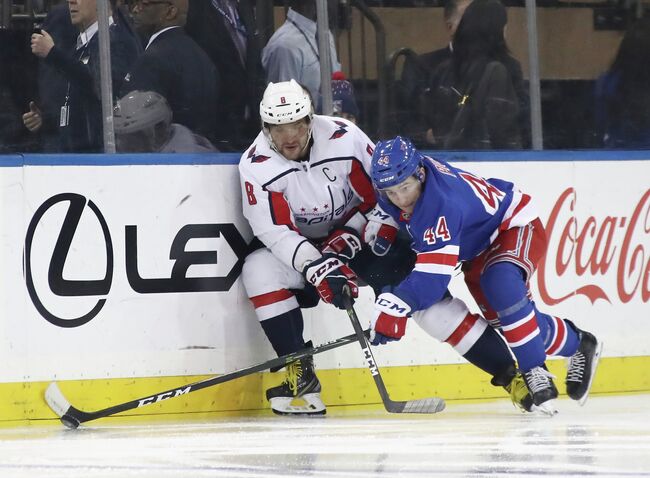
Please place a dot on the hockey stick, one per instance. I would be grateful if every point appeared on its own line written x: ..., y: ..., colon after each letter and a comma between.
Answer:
x: 423, y: 405
x: 72, y: 417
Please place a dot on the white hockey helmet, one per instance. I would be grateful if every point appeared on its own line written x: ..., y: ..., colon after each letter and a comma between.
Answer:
x: 285, y: 102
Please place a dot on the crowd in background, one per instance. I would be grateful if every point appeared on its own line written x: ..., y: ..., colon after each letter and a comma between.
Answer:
x: 199, y: 67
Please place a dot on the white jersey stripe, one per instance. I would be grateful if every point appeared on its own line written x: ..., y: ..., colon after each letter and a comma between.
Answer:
x: 434, y: 269
x: 452, y: 250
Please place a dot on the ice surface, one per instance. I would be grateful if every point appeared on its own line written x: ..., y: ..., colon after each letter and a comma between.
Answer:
x: 609, y: 437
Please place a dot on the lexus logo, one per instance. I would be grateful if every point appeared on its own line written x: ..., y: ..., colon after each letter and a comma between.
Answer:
x: 178, y: 282
x: 59, y: 285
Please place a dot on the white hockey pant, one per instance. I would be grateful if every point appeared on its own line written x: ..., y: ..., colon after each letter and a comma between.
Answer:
x: 267, y: 281
x: 450, y: 321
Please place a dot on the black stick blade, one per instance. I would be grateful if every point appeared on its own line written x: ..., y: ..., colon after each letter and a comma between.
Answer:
x: 70, y: 422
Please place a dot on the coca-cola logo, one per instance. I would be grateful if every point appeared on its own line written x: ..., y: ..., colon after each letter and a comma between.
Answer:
x: 589, y: 251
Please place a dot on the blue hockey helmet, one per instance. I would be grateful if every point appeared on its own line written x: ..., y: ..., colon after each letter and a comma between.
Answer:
x: 393, y: 161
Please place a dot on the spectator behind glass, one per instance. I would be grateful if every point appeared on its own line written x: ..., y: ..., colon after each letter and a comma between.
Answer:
x: 174, y: 66
x: 474, y: 99
x: 226, y: 31
x: 417, y: 73
x: 292, y: 51
x: 143, y: 124
x: 52, y: 82
x: 623, y: 94
x: 343, y: 101
x: 15, y: 91
x: 80, y: 115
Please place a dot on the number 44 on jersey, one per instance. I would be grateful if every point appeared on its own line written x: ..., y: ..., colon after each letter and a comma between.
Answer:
x: 440, y: 231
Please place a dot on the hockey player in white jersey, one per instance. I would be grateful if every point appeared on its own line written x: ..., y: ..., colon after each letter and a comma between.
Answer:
x: 306, y: 193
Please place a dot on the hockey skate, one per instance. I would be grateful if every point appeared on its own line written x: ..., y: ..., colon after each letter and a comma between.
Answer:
x: 519, y: 393
x: 513, y: 383
x: 540, y: 383
x: 299, y: 394
x: 582, y: 366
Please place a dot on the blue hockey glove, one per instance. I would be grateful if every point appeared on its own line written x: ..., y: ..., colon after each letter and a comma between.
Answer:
x: 380, y: 231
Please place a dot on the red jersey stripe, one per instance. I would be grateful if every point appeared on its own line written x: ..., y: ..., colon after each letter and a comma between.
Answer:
x: 360, y: 182
x: 437, y: 258
x: 280, y: 211
x: 523, y: 202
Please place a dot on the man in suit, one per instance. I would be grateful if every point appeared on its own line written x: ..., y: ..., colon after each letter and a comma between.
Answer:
x: 52, y: 83
x: 80, y: 116
x: 174, y: 66
x: 226, y: 31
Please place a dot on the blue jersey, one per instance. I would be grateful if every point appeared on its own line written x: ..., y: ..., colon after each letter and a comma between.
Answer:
x: 456, y: 217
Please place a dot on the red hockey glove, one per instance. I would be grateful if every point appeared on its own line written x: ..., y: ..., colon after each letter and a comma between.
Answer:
x: 389, y: 322
x: 330, y: 276
x: 343, y: 242
x: 380, y: 232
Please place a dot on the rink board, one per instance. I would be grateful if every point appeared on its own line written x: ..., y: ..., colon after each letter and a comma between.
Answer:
x: 130, y: 284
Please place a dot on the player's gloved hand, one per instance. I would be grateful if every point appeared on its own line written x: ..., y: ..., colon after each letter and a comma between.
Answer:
x: 380, y: 232
x: 329, y: 275
x: 389, y: 321
x: 343, y: 242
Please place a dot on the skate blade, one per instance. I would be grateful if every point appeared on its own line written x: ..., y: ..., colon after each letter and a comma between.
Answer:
x: 309, y: 404
x: 547, y: 408
x: 594, y: 366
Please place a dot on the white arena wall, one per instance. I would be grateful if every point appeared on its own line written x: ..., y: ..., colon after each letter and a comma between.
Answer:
x: 116, y: 268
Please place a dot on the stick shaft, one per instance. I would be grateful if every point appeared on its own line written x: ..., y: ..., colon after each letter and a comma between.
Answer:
x: 424, y: 405
x: 370, y: 359
x: 83, y: 416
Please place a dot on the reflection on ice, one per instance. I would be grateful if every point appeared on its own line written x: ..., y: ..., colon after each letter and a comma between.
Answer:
x: 610, y: 436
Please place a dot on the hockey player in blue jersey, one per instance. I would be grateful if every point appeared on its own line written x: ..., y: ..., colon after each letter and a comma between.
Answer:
x: 489, y: 226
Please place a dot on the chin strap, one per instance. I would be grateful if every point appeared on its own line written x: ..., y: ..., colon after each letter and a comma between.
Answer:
x: 267, y: 135
x: 308, y: 143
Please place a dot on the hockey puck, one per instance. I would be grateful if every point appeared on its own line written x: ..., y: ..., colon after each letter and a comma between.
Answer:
x: 70, y: 422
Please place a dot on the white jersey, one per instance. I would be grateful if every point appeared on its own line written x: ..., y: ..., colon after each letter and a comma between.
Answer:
x: 289, y: 203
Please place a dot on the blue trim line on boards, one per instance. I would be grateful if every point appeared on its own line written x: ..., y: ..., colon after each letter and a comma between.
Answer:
x: 551, y: 155
x: 119, y: 159
x: 10, y: 161
x: 233, y: 158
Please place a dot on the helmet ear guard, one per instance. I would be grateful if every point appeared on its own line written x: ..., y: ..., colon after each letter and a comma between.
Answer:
x: 420, y: 173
